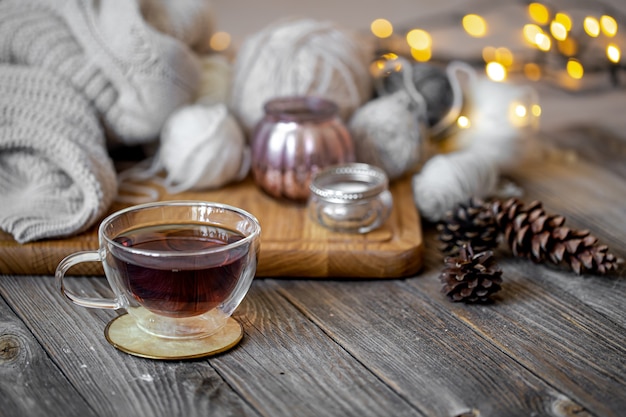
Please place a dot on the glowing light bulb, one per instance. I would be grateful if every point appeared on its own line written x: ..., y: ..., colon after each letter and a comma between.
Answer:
x: 535, y: 109
x: 575, y: 69
x: 517, y: 114
x: 220, y: 41
x: 504, y: 56
x: 530, y: 32
x: 532, y: 71
x: 592, y: 26
x: 419, y: 39
x: 568, y: 47
x: 463, y: 122
x: 539, y: 13
x: 613, y: 53
x: 608, y: 25
x: 558, y: 30
x: 386, y: 64
x: 489, y: 53
x: 381, y: 28
x: 564, y: 19
x: 496, y: 71
x: 543, y: 42
x: 421, y: 55
x: 474, y: 25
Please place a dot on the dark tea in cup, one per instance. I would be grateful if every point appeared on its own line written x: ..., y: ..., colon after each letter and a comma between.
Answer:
x: 180, y: 286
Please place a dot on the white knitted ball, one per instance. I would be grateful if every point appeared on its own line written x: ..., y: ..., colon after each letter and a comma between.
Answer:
x: 299, y: 57
x: 389, y: 132
x: 202, y: 147
x: 450, y: 179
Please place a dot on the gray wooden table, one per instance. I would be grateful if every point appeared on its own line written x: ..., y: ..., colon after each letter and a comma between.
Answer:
x: 552, y: 344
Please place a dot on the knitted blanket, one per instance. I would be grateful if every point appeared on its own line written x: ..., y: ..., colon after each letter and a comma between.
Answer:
x: 78, y: 77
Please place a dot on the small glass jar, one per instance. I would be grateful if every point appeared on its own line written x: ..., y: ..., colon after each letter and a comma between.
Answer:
x: 351, y: 198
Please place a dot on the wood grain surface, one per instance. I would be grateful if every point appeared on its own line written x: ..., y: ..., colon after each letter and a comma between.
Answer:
x: 292, y: 244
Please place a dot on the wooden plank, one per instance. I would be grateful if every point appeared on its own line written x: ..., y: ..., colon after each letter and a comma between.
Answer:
x: 111, y: 382
x: 292, y: 244
x: 289, y: 367
x: 30, y: 383
x: 284, y: 366
x: 416, y: 344
x: 594, y: 144
x: 550, y: 332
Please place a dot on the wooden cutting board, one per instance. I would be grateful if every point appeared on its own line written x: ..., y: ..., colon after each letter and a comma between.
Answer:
x: 292, y: 244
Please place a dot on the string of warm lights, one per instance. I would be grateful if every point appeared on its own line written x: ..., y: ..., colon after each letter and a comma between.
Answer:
x: 559, y: 41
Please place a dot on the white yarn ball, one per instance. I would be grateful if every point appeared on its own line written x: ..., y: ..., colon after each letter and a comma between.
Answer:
x: 389, y: 132
x: 449, y: 179
x: 299, y: 57
x: 190, y: 21
x: 202, y: 147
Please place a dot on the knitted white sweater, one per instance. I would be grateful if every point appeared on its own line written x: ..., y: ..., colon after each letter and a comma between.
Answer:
x: 71, y: 71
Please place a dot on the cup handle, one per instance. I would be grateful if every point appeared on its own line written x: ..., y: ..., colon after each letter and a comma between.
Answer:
x: 70, y: 261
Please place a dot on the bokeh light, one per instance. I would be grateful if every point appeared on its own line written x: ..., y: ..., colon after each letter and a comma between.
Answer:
x: 532, y: 71
x: 564, y: 19
x: 575, y: 69
x: 382, y: 28
x: 608, y: 25
x: 419, y: 39
x: 539, y: 13
x: 475, y: 25
x: 220, y: 41
x: 613, y: 53
x: 558, y: 31
x: 592, y: 26
x: 496, y: 71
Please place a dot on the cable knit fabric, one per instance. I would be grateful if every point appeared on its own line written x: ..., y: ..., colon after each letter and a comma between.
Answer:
x: 56, y: 178
x: 76, y: 78
x: 134, y: 75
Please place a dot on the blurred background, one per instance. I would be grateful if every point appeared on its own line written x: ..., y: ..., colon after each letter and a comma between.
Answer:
x: 570, y: 51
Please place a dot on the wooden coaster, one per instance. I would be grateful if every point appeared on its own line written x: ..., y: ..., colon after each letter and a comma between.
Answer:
x: 123, y: 333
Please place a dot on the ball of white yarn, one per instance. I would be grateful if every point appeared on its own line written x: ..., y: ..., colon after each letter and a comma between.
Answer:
x: 449, y: 179
x: 390, y: 133
x: 202, y: 147
x: 190, y: 21
x: 299, y: 57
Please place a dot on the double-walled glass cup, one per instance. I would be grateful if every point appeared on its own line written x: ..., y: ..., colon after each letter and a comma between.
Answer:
x: 179, y: 268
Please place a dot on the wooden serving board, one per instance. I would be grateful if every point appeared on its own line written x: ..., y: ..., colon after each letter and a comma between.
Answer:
x: 292, y: 244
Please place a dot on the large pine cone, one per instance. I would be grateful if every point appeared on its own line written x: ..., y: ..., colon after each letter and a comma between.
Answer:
x: 533, y: 234
x: 471, y: 277
x: 472, y: 223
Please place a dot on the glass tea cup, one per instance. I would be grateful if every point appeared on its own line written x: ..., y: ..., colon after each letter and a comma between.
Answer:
x: 179, y: 268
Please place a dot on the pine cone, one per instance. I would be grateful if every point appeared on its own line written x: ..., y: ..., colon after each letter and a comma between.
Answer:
x: 533, y: 234
x: 472, y: 223
x: 471, y: 277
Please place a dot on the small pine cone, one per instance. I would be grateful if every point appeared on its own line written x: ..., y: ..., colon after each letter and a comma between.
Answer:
x: 472, y: 223
x: 471, y: 277
x: 533, y: 234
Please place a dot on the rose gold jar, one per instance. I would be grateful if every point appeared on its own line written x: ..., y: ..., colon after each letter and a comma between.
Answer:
x: 297, y: 137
